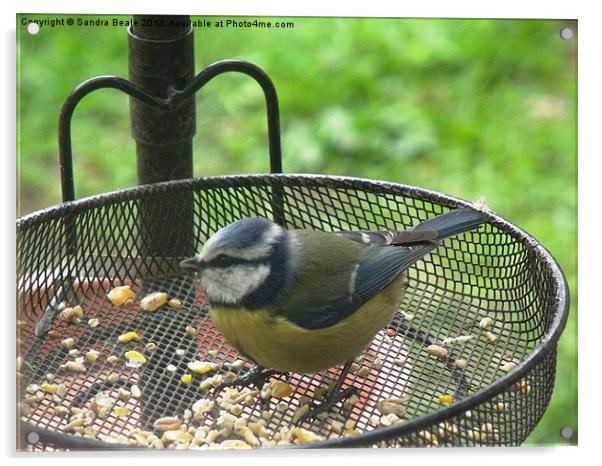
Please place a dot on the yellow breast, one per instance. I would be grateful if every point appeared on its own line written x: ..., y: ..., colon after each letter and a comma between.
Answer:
x: 274, y: 342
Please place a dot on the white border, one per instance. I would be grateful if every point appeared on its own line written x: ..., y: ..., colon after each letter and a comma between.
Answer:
x: 373, y: 8
x: 590, y: 151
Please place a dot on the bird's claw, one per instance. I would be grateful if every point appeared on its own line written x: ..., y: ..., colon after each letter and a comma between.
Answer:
x: 256, y: 376
x: 333, y: 398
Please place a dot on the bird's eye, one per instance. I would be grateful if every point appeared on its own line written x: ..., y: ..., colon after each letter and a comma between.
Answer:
x: 222, y: 261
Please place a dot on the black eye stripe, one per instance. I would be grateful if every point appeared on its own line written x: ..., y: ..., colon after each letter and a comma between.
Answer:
x: 223, y: 261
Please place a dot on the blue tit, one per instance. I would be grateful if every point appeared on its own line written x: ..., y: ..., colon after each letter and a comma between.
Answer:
x: 305, y: 300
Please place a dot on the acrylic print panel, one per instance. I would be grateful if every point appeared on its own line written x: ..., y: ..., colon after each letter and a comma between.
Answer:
x: 473, y: 109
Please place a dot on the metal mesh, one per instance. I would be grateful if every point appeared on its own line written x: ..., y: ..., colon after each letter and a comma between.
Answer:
x: 138, y: 236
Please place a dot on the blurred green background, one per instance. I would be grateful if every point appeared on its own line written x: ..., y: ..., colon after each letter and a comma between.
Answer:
x: 466, y: 107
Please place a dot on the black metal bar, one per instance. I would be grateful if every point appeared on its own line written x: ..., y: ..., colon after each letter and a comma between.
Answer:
x: 177, y: 97
x: 273, y: 116
x: 173, y: 101
x: 66, y: 115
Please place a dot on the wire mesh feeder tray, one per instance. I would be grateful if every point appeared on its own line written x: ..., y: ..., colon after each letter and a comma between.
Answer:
x: 77, y: 252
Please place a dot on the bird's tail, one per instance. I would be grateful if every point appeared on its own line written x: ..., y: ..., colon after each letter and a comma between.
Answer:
x: 453, y: 223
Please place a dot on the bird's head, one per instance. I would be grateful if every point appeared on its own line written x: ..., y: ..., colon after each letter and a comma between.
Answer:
x: 238, y: 261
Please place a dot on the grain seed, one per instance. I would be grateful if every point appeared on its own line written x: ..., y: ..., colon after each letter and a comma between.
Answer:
x: 392, y: 406
x: 461, y: 363
x: 121, y: 296
x: 507, y: 367
x: 150, y: 346
x: 175, y: 304
x: 167, y: 423
x: 486, y: 323
x: 92, y: 355
x: 68, y: 343
x: 437, y: 351
x: 153, y: 301
x: 128, y: 337
x: 300, y: 412
x: 201, y: 367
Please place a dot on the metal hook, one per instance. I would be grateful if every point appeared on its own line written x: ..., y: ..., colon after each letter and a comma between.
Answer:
x: 175, y: 99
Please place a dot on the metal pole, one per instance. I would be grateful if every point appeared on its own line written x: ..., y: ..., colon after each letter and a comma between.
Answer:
x: 161, y: 60
x: 161, y: 57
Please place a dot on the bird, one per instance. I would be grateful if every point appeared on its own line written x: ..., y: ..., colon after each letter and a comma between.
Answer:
x: 303, y: 300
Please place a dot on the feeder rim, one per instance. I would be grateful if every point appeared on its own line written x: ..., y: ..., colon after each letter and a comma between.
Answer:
x: 547, y: 344
x: 131, y: 193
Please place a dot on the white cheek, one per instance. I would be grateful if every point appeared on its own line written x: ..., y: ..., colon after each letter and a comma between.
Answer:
x: 231, y: 285
x: 352, y: 279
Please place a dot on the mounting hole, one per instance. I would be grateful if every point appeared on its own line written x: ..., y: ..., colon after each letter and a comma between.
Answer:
x: 566, y: 432
x: 33, y: 438
x: 33, y: 28
x: 566, y: 33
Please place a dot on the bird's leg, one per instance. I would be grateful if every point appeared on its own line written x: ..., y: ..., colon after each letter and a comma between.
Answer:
x: 335, y: 395
x: 256, y: 376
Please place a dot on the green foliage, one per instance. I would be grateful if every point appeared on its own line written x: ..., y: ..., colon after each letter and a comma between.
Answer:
x: 466, y: 107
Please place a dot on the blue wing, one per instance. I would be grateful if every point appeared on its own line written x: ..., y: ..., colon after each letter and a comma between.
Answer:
x: 325, y: 315
x: 382, y: 256
x: 382, y: 264
x: 378, y: 267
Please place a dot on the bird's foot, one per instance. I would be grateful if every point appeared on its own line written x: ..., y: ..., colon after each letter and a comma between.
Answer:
x: 256, y: 376
x: 334, y: 397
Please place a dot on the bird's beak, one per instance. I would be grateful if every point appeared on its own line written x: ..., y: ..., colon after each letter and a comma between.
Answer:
x: 192, y: 265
